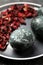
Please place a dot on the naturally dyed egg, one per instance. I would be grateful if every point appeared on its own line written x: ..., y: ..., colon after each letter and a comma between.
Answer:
x: 21, y: 39
x: 37, y: 27
x: 40, y: 11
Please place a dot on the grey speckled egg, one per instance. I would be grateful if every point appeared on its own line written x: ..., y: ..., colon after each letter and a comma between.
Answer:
x: 37, y: 27
x: 21, y: 39
x: 40, y: 11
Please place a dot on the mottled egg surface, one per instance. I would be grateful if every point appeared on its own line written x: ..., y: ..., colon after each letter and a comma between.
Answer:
x: 21, y: 38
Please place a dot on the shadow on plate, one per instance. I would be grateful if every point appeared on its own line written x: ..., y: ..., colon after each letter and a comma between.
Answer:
x: 39, y: 38
x: 26, y: 53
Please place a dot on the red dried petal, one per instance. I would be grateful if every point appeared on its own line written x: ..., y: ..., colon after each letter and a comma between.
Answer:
x: 18, y: 24
x: 21, y: 15
x: 4, y: 12
x: 15, y: 27
x: 29, y: 15
x: 15, y: 18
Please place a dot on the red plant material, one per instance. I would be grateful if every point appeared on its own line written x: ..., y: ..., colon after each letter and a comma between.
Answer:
x: 29, y: 15
x: 17, y: 24
x: 0, y: 21
x: 21, y: 14
x: 4, y: 13
x: 11, y: 19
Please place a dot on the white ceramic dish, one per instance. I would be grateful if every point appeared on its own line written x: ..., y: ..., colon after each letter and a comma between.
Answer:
x: 38, y: 49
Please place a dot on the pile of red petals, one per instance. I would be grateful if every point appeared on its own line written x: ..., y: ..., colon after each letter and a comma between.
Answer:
x: 11, y: 19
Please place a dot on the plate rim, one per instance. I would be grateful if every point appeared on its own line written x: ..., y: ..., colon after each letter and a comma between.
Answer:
x: 38, y: 5
x: 29, y: 58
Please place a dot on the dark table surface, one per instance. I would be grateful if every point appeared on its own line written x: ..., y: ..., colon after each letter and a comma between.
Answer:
x: 38, y: 61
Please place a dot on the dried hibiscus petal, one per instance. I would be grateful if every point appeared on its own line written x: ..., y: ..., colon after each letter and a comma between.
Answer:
x: 22, y: 20
x: 4, y: 12
x: 29, y: 15
x: 11, y: 8
x: 0, y: 21
x: 18, y: 24
x: 14, y: 27
x: 15, y: 18
x: 21, y: 14
x: 3, y: 47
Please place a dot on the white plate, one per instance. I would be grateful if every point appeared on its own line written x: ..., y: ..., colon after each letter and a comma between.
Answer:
x: 35, y: 52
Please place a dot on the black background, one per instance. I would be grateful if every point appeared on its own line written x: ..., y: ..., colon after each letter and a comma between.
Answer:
x: 38, y: 61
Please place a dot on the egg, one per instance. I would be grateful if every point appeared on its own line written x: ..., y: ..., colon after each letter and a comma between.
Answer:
x: 40, y: 11
x: 21, y: 39
x: 37, y: 27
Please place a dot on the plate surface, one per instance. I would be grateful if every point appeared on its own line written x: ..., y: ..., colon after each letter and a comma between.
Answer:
x: 34, y: 52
